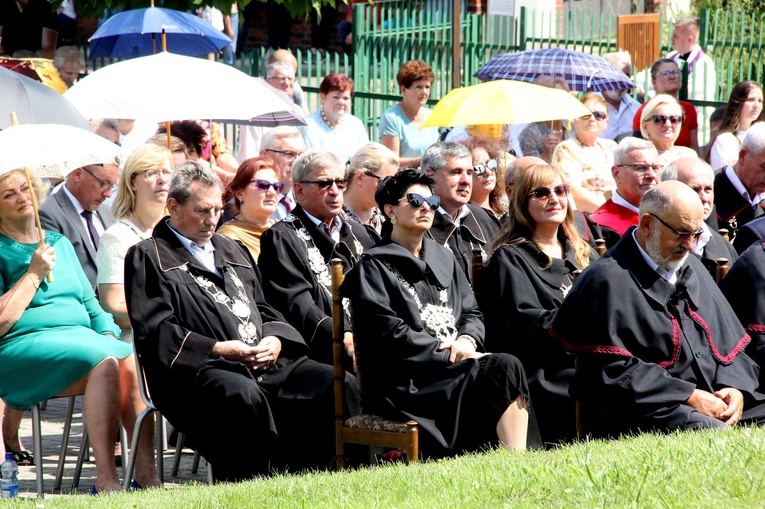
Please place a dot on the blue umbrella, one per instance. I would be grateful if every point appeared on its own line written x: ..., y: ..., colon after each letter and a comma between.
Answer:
x: 138, y: 33
x: 582, y: 72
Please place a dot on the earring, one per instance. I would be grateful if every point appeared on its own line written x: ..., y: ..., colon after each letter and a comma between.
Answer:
x: 393, y: 220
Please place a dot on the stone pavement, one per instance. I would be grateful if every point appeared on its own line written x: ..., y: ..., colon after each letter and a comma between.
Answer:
x: 52, y: 429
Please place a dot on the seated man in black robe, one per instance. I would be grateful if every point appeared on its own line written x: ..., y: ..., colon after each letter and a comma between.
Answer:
x: 460, y: 226
x: 658, y: 346
x: 296, y: 251
x: 221, y: 364
x: 699, y: 176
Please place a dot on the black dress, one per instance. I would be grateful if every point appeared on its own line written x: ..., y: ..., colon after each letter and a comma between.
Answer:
x: 403, y: 307
x: 294, y: 257
x: 519, y: 298
x: 243, y: 422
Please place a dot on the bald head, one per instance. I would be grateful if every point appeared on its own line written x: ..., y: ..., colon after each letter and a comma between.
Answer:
x: 696, y: 174
x: 283, y: 55
x: 671, y: 216
x: 520, y: 163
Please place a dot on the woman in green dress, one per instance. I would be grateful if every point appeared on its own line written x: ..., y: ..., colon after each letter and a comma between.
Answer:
x: 55, y: 340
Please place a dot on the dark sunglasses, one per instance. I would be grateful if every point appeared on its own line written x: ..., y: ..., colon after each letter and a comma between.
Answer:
x: 662, y: 119
x: 416, y: 201
x: 599, y: 115
x: 480, y: 168
x: 543, y: 193
x: 326, y: 184
x: 263, y: 185
x: 681, y: 236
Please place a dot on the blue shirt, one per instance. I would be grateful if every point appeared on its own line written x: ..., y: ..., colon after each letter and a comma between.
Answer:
x: 412, y: 140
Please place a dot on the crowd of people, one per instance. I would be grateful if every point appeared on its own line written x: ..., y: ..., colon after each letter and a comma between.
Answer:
x: 216, y: 269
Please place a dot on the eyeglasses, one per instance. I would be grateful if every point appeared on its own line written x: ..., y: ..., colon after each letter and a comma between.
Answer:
x: 370, y: 174
x: 543, y: 193
x: 669, y: 74
x: 105, y: 186
x: 263, y: 185
x: 326, y: 184
x: 599, y: 115
x: 480, y: 168
x: 417, y: 200
x: 286, y: 153
x: 285, y: 79
x: 662, y: 119
x: 152, y: 174
x: 681, y: 236
x: 642, y: 168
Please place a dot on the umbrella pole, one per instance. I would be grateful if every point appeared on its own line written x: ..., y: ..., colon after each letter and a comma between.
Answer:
x: 169, y: 136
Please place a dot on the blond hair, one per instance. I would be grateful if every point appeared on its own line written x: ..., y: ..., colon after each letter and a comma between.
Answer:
x: 148, y: 156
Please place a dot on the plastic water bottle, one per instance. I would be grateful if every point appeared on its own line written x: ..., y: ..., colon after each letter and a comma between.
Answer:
x: 9, y: 484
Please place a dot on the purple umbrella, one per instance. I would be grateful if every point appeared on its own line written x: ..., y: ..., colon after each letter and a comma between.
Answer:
x: 582, y: 72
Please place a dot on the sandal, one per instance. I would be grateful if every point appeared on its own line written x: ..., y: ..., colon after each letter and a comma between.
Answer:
x: 23, y: 458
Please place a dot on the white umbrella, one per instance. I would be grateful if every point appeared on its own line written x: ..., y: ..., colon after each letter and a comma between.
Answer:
x: 53, y: 151
x: 166, y: 87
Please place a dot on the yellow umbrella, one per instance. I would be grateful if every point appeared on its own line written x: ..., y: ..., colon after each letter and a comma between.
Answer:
x: 504, y: 102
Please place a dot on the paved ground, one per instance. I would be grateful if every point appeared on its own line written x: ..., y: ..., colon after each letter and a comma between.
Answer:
x: 52, y: 429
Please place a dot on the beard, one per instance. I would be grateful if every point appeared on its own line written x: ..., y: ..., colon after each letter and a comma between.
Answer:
x: 653, y: 248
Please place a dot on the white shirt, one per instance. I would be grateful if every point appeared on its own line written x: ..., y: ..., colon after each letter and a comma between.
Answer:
x: 100, y: 228
x: 281, y: 209
x: 463, y: 212
x: 203, y: 254
x: 739, y: 186
x: 337, y: 223
x: 668, y: 276
x: 617, y: 198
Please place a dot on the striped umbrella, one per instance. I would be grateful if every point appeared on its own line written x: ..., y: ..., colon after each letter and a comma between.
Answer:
x: 582, y: 72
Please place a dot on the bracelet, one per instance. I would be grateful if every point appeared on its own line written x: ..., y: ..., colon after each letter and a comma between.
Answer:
x: 472, y: 341
x: 33, y: 280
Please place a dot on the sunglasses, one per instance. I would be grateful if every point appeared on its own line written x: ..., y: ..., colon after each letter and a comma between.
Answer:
x: 416, y: 201
x: 599, y: 115
x: 543, y: 193
x: 681, y: 236
x: 263, y: 185
x: 326, y: 184
x: 662, y: 119
x: 480, y: 168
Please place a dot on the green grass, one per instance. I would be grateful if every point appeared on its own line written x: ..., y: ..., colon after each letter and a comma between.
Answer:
x: 693, y: 469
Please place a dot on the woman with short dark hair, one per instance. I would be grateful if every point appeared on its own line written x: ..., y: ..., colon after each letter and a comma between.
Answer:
x: 418, y: 332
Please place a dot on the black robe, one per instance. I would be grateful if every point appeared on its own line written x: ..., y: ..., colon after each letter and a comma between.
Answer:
x: 733, y: 210
x: 717, y: 247
x: 644, y: 344
x: 751, y: 233
x: 237, y: 419
x: 476, y: 231
x: 291, y: 283
x: 402, y: 374
x: 744, y: 287
x: 519, y: 298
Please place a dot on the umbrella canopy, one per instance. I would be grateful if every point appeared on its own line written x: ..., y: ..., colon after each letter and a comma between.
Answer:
x: 582, y: 72
x: 504, y: 102
x: 166, y: 87
x: 34, y: 103
x: 138, y: 33
x: 53, y: 151
x: 38, y: 69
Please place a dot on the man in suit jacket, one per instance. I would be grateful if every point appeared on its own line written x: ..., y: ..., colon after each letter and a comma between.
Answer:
x: 699, y: 176
x: 740, y: 188
x: 74, y: 211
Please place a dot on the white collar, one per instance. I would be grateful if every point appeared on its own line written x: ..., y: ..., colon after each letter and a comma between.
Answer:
x: 668, y: 276
x: 464, y: 211
x: 337, y: 223
x: 191, y: 246
x: 617, y: 199
x: 739, y: 186
x: 80, y: 209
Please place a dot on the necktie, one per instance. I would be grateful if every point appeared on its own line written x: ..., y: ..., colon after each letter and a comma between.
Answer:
x: 94, y: 236
x: 287, y: 201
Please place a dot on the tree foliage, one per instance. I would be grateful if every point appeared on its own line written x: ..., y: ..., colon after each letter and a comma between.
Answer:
x: 88, y: 8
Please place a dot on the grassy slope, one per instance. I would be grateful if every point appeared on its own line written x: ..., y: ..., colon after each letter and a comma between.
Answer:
x: 701, y: 469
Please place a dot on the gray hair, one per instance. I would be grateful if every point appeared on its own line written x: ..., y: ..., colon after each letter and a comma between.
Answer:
x: 369, y: 158
x: 66, y: 54
x: 628, y: 145
x: 313, y: 160
x: 754, y: 141
x: 186, y: 174
x: 277, y: 133
x: 510, y: 172
x: 656, y: 201
x: 671, y: 170
x: 273, y: 66
x: 437, y: 155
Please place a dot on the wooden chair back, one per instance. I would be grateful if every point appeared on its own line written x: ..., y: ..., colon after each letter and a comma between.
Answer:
x: 600, y: 247
x: 722, y: 269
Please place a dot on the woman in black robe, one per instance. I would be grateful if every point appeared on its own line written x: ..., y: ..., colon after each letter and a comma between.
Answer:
x: 529, y: 274
x: 417, y: 343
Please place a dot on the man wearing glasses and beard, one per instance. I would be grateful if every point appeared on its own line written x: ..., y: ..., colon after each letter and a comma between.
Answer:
x: 296, y: 251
